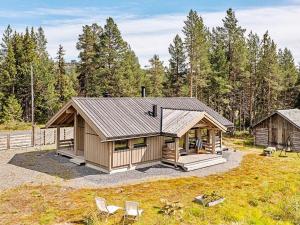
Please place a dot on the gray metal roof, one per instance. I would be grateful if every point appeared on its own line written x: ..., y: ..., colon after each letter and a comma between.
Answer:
x: 174, y: 121
x: 125, y: 117
x: 292, y: 115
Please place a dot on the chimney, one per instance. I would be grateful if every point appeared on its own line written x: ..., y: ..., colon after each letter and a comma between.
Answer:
x: 106, y: 94
x: 154, y: 111
x: 143, y: 91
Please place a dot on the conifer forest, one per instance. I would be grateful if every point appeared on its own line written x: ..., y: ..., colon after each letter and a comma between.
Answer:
x: 235, y: 71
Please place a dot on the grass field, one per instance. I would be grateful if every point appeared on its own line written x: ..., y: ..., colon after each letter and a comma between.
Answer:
x: 263, y: 190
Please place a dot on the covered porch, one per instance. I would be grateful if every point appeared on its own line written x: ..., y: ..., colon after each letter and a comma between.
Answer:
x: 70, y: 145
x: 196, y: 141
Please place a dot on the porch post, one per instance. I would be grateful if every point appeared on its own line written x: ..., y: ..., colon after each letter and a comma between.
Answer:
x: 75, y: 133
x: 221, y: 139
x: 198, y: 133
x: 213, y: 141
x: 187, y: 142
x: 57, y: 137
x: 176, y: 151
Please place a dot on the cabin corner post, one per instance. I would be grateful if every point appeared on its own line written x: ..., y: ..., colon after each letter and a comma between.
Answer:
x: 176, y: 151
x: 110, y: 159
x: 130, y: 146
x: 57, y: 137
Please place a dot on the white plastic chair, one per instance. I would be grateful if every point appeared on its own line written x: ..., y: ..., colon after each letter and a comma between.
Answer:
x: 132, y: 211
x: 105, y: 209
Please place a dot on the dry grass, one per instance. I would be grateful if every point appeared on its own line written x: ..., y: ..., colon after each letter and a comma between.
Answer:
x: 263, y: 190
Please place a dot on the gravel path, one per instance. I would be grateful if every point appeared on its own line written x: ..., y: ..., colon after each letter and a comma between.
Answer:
x: 45, y: 167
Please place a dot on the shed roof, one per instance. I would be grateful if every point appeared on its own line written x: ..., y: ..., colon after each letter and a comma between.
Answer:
x: 292, y: 115
x: 128, y: 116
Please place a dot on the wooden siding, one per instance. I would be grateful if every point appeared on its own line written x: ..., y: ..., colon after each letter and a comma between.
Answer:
x: 151, y: 152
x: 295, y: 139
x: 95, y: 151
x: 274, y: 130
x: 261, y: 136
x: 80, y: 133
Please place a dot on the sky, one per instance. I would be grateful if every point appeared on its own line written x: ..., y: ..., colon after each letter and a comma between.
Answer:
x: 149, y: 26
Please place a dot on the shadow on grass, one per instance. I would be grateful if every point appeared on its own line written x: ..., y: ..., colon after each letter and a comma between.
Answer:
x: 49, y: 163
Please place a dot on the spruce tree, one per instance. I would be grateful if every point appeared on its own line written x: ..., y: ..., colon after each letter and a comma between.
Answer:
x: 218, y: 84
x: 156, y: 74
x: 87, y: 44
x: 177, y: 72
x: 269, y: 80
x: 289, y: 76
x: 64, y: 84
x: 12, y: 110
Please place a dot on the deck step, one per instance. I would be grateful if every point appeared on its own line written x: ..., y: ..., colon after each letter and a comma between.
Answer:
x: 215, y: 157
x: 204, y: 163
x: 77, y: 161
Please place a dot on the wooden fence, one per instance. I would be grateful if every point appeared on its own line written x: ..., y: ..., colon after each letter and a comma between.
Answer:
x: 42, y: 137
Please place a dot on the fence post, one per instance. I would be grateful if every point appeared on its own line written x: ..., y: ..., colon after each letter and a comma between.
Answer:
x: 44, y: 137
x: 33, y: 136
x: 8, y: 141
x: 64, y: 133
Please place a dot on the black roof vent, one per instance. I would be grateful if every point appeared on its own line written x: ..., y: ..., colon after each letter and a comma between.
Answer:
x: 106, y: 94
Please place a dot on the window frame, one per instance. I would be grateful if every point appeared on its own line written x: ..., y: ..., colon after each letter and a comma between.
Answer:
x: 121, y: 148
x: 169, y: 139
x: 140, y: 145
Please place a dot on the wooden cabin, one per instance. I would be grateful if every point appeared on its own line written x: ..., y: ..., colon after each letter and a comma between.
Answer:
x: 279, y: 129
x: 118, y: 134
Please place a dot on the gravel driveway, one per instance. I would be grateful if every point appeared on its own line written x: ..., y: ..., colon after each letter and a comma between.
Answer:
x: 45, y: 167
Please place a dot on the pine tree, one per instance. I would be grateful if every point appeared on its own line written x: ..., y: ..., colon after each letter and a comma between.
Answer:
x: 218, y: 85
x: 156, y: 76
x: 236, y: 52
x: 12, y: 110
x: 87, y: 44
x: 177, y: 80
x: 253, y: 44
x: 196, y: 44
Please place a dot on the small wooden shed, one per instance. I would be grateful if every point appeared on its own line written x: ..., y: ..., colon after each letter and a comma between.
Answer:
x: 277, y: 129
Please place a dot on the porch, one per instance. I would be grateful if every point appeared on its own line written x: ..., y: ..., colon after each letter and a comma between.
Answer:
x: 200, y: 146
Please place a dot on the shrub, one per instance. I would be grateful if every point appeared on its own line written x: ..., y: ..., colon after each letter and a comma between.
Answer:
x: 171, y: 208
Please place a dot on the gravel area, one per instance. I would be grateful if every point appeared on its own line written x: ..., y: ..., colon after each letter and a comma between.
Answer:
x: 45, y: 167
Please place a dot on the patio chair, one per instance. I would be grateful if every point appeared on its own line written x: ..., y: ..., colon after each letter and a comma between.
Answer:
x: 132, y: 211
x: 105, y: 209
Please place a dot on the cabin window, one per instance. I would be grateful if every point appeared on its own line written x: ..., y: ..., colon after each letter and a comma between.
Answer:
x: 169, y: 140
x: 120, y: 145
x: 139, y: 142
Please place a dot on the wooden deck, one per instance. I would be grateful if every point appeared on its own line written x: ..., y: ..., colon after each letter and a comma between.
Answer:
x: 196, y: 161
x: 70, y: 153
